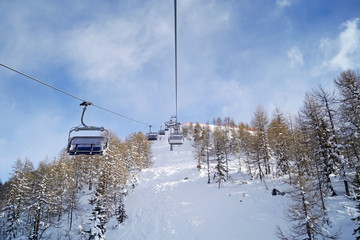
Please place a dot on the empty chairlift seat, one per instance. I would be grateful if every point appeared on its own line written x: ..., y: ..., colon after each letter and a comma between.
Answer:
x: 176, y: 139
x: 87, y: 145
x: 152, y: 136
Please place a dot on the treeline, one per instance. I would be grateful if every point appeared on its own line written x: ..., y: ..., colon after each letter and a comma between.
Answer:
x: 36, y: 202
x: 320, y: 141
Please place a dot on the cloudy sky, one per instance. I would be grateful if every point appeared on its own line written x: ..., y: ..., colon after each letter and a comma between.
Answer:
x: 232, y: 56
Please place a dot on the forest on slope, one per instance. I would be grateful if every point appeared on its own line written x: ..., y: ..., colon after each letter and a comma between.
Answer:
x: 320, y: 142
x: 34, y: 201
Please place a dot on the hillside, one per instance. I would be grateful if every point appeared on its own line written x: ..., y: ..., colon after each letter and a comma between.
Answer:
x: 172, y: 200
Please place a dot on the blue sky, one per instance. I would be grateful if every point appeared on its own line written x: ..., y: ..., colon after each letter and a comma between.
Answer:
x: 232, y: 56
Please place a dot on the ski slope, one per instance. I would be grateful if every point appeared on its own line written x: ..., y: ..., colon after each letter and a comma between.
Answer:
x: 172, y: 200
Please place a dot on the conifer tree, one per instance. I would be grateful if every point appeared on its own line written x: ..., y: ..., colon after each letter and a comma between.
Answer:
x: 316, y: 129
x: 328, y: 103
x: 348, y: 88
x: 279, y: 140
x: 121, y: 212
x: 100, y: 213
x: 17, y: 198
x: 219, y: 140
x: 259, y: 144
x: 304, y: 213
x: 356, y: 186
x: 198, y: 145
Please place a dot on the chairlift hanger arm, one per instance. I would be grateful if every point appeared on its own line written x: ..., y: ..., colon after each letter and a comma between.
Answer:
x: 85, y: 104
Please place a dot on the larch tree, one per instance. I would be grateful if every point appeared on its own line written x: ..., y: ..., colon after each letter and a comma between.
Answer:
x: 328, y: 103
x: 219, y: 140
x: 279, y: 140
x: 261, y: 155
x: 316, y: 129
x: 304, y: 212
x: 348, y: 88
x: 198, y: 145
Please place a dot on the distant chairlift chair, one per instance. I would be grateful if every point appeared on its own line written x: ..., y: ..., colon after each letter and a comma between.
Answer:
x: 175, y: 138
x: 161, y: 131
x: 151, y: 136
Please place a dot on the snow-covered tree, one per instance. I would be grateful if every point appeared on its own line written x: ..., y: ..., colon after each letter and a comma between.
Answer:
x: 304, y: 213
x: 279, y: 140
x: 17, y: 200
x: 316, y: 130
x: 348, y: 88
x: 259, y: 142
x: 356, y: 187
x: 328, y: 103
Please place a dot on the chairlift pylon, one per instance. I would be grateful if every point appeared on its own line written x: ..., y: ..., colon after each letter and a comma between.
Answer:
x: 87, y: 145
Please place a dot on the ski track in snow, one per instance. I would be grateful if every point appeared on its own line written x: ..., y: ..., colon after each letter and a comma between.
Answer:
x: 172, y: 200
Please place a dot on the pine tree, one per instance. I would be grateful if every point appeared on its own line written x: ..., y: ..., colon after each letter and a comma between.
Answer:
x: 198, y: 145
x: 259, y: 144
x: 328, y: 103
x: 206, y: 143
x: 17, y: 200
x: 121, y: 212
x: 100, y: 211
x: 43, y: 207
x: 348, y: 88
x: 316, y: 130
x: 219, y: 148
x: 304, y: 212
x: 279, y: 139
x: 356, y: 187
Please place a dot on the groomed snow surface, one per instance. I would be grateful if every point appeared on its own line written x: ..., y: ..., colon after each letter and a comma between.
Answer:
x: 172, y: 200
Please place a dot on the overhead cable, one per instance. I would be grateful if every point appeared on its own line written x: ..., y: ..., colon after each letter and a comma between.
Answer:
x: 175, y: 29
x: 73, y: 96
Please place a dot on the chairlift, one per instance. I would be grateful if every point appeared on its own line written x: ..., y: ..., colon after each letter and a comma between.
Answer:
x: 87, y: 145
x: 176, y: 138
x: 161, y: 131
x: 151, y: 136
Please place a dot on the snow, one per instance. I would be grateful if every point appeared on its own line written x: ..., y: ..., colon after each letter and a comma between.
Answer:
x: 173, y: 201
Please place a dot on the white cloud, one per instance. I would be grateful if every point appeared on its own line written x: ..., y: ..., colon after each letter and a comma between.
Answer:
x: 114, y: 47
x: 283, y: 3
x: 343, y: 52
x: 349, y: 47
x: 295, y: 56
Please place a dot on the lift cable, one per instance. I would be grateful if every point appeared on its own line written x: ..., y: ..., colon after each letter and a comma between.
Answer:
x: 73, y: 96
x: 175, y: 29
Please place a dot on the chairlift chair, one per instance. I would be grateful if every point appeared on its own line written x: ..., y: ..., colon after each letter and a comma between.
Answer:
x: 87, y: 145
x: 176, y: 138
x: 161, y: 131
x: 151, y: 136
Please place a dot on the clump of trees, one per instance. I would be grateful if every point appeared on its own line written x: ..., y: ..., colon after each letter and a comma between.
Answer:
x: 320, y: 141
x: 37, y: 199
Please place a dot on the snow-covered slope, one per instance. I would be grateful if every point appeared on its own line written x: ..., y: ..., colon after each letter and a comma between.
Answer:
x: 173, y: 201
